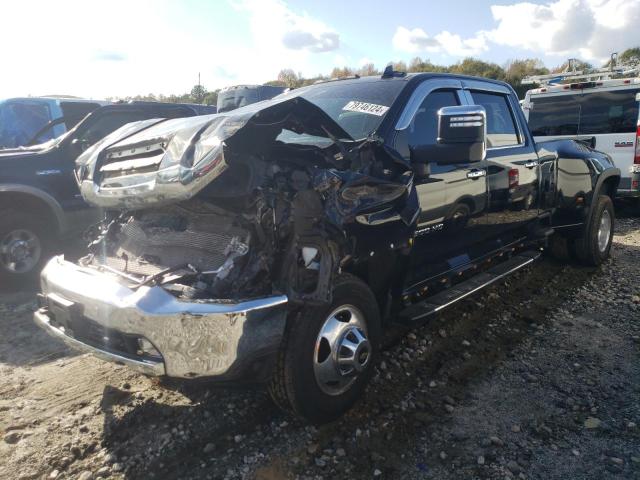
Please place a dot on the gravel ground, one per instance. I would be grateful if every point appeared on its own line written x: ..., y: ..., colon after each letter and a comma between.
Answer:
x: 536, y: 378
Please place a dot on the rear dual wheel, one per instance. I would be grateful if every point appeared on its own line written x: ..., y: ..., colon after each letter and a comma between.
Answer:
x: 328, y: 354
x: 594, y: 245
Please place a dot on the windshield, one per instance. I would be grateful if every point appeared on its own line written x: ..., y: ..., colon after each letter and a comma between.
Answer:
x: 20, y: 121
x: 358, y: 106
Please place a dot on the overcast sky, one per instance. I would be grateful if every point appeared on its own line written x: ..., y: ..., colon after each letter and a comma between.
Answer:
x: 119, y: 48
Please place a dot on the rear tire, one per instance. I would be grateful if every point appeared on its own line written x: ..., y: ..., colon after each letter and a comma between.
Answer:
x: 25, y: 246
x: 327, y: 354
x: 594, y: 246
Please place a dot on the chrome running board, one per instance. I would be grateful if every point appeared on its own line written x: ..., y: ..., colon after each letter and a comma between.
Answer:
x: 451, y: 295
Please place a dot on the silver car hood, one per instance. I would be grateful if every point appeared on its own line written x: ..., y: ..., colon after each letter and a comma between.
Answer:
x: 160, y: 161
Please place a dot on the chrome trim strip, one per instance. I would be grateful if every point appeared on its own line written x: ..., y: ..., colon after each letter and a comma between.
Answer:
x: 568, y: 225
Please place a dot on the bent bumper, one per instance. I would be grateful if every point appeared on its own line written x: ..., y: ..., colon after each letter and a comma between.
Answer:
x: 151, y: 331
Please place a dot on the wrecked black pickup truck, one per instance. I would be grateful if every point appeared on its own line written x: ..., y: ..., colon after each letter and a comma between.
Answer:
x: 274, y: 242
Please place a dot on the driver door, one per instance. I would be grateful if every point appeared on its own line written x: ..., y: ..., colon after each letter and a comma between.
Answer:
x: 453, y: 198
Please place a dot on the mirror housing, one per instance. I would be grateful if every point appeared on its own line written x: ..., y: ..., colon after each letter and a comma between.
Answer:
x: 462, y: 133
x: 421, y: 170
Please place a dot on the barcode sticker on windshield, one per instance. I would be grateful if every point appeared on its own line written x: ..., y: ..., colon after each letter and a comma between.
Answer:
x: 363, y: 107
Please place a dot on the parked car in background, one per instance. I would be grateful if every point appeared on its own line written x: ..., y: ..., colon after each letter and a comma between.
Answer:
x: 603, y: 113
x: 273, y: 243
x: 230, y: 98
x: 24, y: 121
x: 39, y: 198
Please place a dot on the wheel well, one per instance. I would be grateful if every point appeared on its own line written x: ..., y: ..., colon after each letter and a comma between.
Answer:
x: 468, y: 201
x: 609, y: 186
x: 25, y: 202
x: 376, y: 275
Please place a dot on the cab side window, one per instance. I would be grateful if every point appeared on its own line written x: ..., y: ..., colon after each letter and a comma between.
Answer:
x: 501, y: 126
x: 108, y: 123
x: 73, y: 112
x: 423, y: 129
x: 608, y: 112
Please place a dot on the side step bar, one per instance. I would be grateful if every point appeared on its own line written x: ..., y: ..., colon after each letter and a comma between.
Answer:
x: 442, y: 300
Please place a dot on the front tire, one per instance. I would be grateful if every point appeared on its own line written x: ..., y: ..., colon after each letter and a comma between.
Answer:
x: 24, y: 246
x: 594, y: 246
x: 328, y: 354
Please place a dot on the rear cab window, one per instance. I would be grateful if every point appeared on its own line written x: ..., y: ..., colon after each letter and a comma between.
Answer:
x: 501, y: 124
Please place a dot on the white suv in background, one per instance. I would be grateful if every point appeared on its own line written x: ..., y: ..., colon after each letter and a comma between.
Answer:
x: 603, y: 112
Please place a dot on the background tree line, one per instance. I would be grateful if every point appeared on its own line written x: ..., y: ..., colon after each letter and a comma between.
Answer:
x: 511, y: 72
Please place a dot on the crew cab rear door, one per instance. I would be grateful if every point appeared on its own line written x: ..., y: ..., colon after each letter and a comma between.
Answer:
x: 513, y: 169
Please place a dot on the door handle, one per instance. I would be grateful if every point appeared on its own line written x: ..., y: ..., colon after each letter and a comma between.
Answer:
x: 475, y: 174
x: 531, y: 164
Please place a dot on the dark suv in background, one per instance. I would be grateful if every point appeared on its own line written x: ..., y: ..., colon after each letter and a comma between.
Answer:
x: 40, y: 203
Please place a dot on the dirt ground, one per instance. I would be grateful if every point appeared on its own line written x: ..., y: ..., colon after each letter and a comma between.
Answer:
x: 537, y: 378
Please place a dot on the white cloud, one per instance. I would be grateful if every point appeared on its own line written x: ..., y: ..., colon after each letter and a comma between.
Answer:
x: 274, y: 23
x: 459, y: 47
x: 418, y: 41
x: 281, y: 38
x: 591, y: 29
x: 413, y: 41
x: 154, y: 46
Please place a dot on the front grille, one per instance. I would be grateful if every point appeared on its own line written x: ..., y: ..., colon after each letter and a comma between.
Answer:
x: 155, y: 241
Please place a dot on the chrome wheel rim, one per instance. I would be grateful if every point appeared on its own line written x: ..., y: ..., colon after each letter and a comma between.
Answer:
x: 604, y: 231
x: 20, y: 251
x: 342, y: 351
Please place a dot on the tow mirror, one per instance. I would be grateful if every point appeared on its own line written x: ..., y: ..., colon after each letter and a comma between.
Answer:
x: 461, y: 138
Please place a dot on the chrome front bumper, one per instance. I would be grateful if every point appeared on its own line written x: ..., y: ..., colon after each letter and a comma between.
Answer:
x: 151, y: 331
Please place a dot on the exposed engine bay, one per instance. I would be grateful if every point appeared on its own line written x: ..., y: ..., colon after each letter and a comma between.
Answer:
x: 272, y: 200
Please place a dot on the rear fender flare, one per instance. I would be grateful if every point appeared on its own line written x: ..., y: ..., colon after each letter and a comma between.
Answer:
x: 597, y: 190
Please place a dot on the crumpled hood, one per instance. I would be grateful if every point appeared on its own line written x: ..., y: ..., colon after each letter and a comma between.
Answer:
x: 164, y: 161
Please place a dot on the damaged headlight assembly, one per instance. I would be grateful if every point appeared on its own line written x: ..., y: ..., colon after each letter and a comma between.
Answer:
x: 152, y: 169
